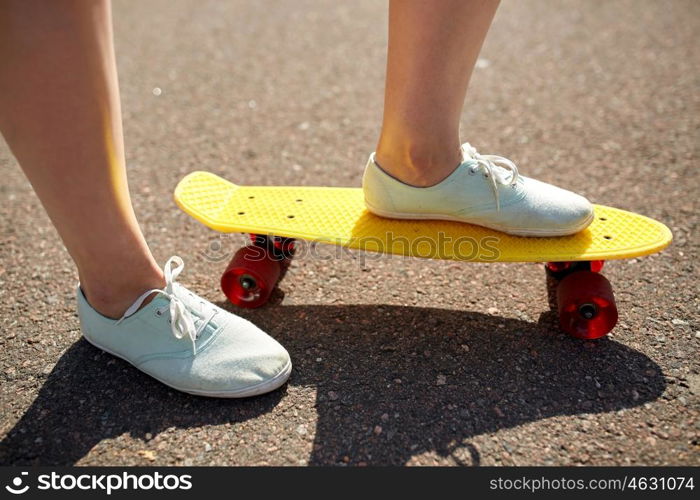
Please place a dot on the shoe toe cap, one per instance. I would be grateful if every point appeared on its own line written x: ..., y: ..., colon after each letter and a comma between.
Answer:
x: 577, y: 213
x: 573, y: 209
x: 556, y: 209
x: 241, y: 360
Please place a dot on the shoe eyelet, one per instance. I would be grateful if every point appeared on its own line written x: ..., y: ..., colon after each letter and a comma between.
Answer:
x: 159, y: 312
x: 486, y: 176
x: 471, y: 171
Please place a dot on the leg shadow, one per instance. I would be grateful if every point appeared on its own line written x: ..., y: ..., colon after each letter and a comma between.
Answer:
x: 90, y: 396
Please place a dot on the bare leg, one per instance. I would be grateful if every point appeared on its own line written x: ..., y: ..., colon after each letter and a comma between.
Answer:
x: 433, y: 47
x: 60, y: 114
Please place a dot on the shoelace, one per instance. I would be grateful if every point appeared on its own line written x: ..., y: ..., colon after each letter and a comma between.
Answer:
x: 182, y: 318
x: 491, y: 164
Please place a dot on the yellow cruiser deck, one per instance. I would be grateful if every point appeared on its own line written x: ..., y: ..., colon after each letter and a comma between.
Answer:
x: 338, y: 216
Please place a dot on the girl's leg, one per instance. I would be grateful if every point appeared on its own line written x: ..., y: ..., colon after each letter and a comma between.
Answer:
x: 59, y: 111
x: 60, y: 115
x: 433, y: 47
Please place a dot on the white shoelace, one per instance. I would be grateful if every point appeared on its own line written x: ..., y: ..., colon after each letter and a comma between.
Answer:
x: 493, y: 167
x: 182, y: 319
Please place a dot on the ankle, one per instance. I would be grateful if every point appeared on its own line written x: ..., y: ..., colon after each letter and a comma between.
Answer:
x: 112, y: 295
x: 418, y: 165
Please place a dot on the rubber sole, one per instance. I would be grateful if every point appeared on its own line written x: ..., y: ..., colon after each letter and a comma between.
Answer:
x: 533, y: 232
x: 254, y: 390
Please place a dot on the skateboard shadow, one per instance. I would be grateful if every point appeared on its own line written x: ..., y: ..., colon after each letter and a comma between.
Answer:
x: 432, y: 379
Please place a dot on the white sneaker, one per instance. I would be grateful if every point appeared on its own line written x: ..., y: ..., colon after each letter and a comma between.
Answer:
x: 485, y: 190
x: 188, y: 343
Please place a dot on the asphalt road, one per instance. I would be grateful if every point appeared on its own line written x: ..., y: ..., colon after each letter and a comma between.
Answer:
x: 397, y: 360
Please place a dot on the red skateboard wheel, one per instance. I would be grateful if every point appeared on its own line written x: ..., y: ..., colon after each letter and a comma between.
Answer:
x: 586, y: 305
x: 250, y: 277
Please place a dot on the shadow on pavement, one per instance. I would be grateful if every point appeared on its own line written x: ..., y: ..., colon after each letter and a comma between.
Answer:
x: 433, y: 378
x: 90, y: 396
x: 392, y: 382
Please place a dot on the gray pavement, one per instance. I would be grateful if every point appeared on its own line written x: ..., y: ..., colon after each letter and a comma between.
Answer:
x: 397, y: 360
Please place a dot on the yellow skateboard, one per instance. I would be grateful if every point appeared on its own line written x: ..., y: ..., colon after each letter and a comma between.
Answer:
x: 276, y: 216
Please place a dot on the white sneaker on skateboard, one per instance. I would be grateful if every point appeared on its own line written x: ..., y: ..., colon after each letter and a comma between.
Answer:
x: 486, y: 190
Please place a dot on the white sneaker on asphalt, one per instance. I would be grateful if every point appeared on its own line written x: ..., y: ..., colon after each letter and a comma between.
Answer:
x: 188, y: 343
x: 486, y: 190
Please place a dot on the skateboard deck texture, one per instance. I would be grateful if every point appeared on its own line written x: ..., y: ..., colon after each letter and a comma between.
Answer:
x: 338, y: 216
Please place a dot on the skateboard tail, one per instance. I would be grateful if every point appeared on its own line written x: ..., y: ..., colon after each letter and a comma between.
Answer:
x: 202, y: 196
